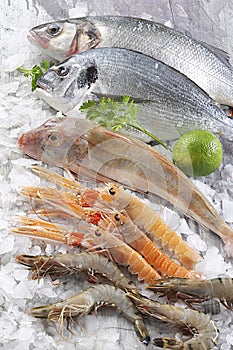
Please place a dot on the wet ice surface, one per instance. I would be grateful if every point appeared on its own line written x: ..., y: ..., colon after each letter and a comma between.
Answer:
x: 21, y: 111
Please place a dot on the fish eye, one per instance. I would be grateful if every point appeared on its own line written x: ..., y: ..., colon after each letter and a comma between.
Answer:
x: 53, y: 137
x: 53, y: 29
x: 62, y: 71
x: 112, y: 191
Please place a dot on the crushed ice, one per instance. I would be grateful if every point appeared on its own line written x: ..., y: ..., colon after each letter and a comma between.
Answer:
x: 20, y: 110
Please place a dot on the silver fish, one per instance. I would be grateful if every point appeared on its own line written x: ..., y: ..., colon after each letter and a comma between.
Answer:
x: 86, y: 149
x: 207, y: 66
x: 169, y: 103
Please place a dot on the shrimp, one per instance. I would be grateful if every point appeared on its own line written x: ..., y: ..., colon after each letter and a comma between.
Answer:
x: 200, y: 326
x: 91, y: 299
x: 191, y: 291
x: 115, y: 197
x: 96, y: 238
x: 147, y: 219
x: 133, y: 236
x: 68, y: 264
x: 69, y: 203
x: 84, y: 148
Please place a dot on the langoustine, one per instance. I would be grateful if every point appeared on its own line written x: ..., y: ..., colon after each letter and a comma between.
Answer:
x: 116, y: 223
x: 116, y: 198
x: 93, y: 239
x: 192, y: 292
x: 84, y: 148
x: 134, y: 237
x: 147, y: 219
x: 200, y: 326
x: 91, y: 299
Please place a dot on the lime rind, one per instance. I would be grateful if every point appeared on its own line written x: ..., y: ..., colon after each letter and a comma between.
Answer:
x: 197, y: 153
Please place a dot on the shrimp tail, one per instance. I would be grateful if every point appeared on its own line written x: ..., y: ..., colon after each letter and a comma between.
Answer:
x: 170, y: 343
x: 41, y: 311
x: 141, y: 331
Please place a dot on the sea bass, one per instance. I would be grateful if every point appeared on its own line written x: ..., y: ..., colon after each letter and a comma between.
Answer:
x: 85, y: 148
x: 169, y: 104
x: 208, y: 67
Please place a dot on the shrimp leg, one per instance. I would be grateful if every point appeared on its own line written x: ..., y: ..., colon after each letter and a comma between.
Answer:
x: 115, y: 197
x: 139, y: 241
x: 68, y: 264
x: 148, y: 220
x: 95, y: 238
x: 90, y: 299
x: 198, y: 291
x: 69, y: 203
x: 200, y: 326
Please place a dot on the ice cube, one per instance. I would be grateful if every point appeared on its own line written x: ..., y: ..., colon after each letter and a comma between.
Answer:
x: 227, y: 206
x: 11, y: 63
x: 6, y: 244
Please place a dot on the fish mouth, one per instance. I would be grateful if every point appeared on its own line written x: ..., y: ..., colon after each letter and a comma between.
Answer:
x: 56, y: 102
x: 27, y: 145
x: 73, y: 47
x: 42, y: 84
x: 36, y: 39
x: 21, y: 141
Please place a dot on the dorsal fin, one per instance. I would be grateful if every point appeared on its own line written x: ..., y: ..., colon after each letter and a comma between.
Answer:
x: 221, y: 54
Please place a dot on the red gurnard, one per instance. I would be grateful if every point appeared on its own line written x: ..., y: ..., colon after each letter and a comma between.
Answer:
x: 87, y: 149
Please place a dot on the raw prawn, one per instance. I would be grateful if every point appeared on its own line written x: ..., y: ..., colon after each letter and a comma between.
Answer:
x: 91, y: 299
x: 148, y: 220
x: 115, y: 197
x: 69, y: 203
x: 87, y: 149
x: 68, y: 264
x: 134, y: 237
x: 96, y: 238
x: 191, y: 291
x: 199, y: 325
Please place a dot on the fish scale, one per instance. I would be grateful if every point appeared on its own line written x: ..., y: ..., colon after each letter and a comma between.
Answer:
x: 208, y: 67
x: 169, y: 103
x: 125, y: 160
x: 177, y: 50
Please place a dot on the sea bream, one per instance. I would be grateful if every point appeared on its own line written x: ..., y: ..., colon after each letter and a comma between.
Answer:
x: 169, y: 104
x: 208, y: 67
x: 87, y: 149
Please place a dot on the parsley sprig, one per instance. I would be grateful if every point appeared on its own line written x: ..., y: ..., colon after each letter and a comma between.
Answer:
x: 36, y: 72
x: 116, y: 115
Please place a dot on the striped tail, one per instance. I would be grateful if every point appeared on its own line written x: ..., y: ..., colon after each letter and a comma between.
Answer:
x: 170, y: 343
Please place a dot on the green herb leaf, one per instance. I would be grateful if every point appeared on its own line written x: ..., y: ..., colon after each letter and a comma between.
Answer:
x: 45, y: 64
x: 36, y: 72
x: 115, y: 114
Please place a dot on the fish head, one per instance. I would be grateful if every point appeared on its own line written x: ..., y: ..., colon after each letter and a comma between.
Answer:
x: 59, y: 141
x: 62, y: 39
x: 64, y: 86
x: 55, y: 38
